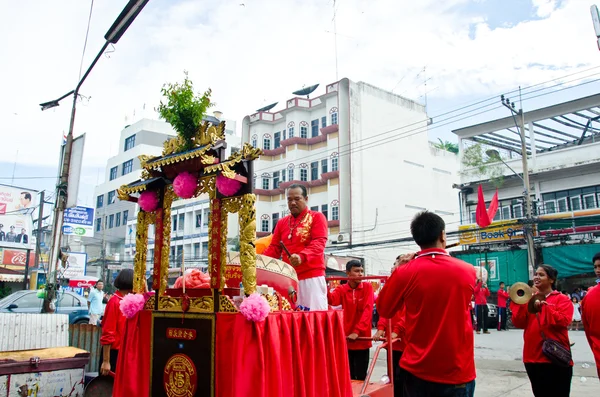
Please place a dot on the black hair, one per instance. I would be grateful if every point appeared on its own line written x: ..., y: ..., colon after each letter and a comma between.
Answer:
x: 575, y: 297
x: 99, y: 281
x: 501, y: 282
x: 551, y: 272
x: 426, y: 228
x: 301, y: 187
x: 596, y: 258
x: 353, y: 263
x: 124, y: 280
x: 27, y: 195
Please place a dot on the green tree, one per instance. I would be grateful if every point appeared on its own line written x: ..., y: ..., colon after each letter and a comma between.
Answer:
x: 476, y: 162
x: 184, y: 109
x: 447, y: 146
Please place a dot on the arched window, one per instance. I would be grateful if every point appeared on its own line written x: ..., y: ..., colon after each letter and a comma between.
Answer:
x: 267, y: 141
x: 334, y: 161
x: 254, y: 140
x: 333, y: 113
x: 304, y: 172
x: 335, y: 210
x: 303, y: 129
x: 290, y: 171
x: 291, y: 125
x: 264, y: 223
x: 266, y: 181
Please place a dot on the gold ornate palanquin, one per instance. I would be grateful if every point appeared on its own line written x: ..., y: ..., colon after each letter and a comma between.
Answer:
x: 206, y: 160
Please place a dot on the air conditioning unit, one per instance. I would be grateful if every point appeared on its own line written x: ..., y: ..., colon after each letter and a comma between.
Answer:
x: 343, y: 238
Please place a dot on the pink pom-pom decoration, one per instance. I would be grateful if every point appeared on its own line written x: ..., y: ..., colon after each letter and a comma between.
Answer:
x: 148, y: 200
x: 185, y: 184
x: 255, y: 308
x: 131, y: 304
x: 227, y: 186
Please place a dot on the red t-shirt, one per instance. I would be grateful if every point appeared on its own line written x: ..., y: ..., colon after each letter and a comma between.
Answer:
x: 113, y: 323
x: 308, y: 234
x: 555, y: 317
x: 481, y: 294
x: 357, y: 305
x: 397, y: 328
x: 436, y: 291
x: 590, y: 315
x: 502, y: 298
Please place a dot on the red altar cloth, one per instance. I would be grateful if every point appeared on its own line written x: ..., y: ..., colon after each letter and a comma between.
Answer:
x: 292, y: 354
x: 132, y: 377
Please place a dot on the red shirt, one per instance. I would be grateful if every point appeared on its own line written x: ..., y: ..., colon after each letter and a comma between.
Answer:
x: 113, y: 323
x: 590, y: 315
x: 502, y: 298
x: 436, y: 291
x: 555, y: 317
x: 397, y: 328
x: 481, y: 294
x: 308, y: 234
x: 357, y: 304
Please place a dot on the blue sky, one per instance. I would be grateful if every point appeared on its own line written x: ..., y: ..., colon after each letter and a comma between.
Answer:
x: 453, y: 53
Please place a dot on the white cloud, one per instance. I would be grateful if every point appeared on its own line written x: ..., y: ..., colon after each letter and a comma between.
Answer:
x: 254, y: 55
x: 544, y: 7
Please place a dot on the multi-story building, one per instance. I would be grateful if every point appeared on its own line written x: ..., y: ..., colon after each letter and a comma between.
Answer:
x: 563, y: 152
x: 189, y: 222
x: 143, y: 137
x: 365, y: 156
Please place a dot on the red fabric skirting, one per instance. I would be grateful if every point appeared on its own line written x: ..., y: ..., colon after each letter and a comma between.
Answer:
x: 132, y: 377
x: 293, y: 354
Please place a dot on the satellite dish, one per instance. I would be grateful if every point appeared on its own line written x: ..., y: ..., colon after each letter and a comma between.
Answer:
x: 268, y: 107
x: 306, y: 91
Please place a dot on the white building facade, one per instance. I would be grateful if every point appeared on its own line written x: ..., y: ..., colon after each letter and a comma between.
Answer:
x: 143, y: 137
x: 189, y: 221
x: 365, y: 157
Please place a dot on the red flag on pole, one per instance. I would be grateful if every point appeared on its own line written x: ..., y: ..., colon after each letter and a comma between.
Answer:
x: 484, y: 217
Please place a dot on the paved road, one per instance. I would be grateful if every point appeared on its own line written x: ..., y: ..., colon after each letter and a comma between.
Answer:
x: 500, y: 370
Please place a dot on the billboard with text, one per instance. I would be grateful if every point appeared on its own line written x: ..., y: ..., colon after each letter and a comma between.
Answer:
x: 16, y: 208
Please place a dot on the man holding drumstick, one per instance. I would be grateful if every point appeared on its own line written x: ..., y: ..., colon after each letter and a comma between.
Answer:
x: 299, y: 239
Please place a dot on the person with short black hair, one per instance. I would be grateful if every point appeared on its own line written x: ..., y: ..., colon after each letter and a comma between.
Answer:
x: 503, y: 298
x: 590, y: 314
x: 439, y: 355
x: 356, y: 299
x: 113, y: 323
x: 95, y: 300
x: 11, y: 236
x: 553, y: 316
x: 304, y: 235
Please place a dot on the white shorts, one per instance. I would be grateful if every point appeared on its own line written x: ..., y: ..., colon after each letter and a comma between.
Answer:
x: 312, y: 293
x: 94, y: 319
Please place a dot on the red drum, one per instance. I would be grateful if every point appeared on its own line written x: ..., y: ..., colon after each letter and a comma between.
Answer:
x: 272, y: 272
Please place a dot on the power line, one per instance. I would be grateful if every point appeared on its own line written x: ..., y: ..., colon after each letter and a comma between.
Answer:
x: 86, y: 39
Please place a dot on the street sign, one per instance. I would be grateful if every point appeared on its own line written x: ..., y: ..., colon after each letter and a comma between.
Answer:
x: 79, y: 221
x: 595, y: 19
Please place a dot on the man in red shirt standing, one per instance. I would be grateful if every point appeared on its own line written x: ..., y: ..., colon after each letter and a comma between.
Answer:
x: 481, y: 294
x: 304, y: 235
x: 435, y: 290
x: 502, y: 301
x: 590, y: 315
x: 356, y: 299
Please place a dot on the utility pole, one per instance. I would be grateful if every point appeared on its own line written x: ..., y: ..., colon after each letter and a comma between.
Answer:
x: 529, y: 220
x: 39, y: 229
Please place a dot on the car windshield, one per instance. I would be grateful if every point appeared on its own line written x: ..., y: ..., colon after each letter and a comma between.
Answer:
x: 4, y: 301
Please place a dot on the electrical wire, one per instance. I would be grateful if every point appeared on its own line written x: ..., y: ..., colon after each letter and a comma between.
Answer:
x: 354, y: 147
x: 87, y: 32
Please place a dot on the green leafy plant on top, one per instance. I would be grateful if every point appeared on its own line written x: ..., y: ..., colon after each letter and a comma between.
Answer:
x: 184, y: 109
x: 447, y: 146
x: 476, y: 162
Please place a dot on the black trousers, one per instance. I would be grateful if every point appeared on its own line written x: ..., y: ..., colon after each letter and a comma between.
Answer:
x: 549, y: 379
x: 502, y: 312
x: 398, y: 374
x: 359, y: 363
x: 482, y: 315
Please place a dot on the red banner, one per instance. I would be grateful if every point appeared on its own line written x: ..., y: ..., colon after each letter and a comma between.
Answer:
x: 17, y: 258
